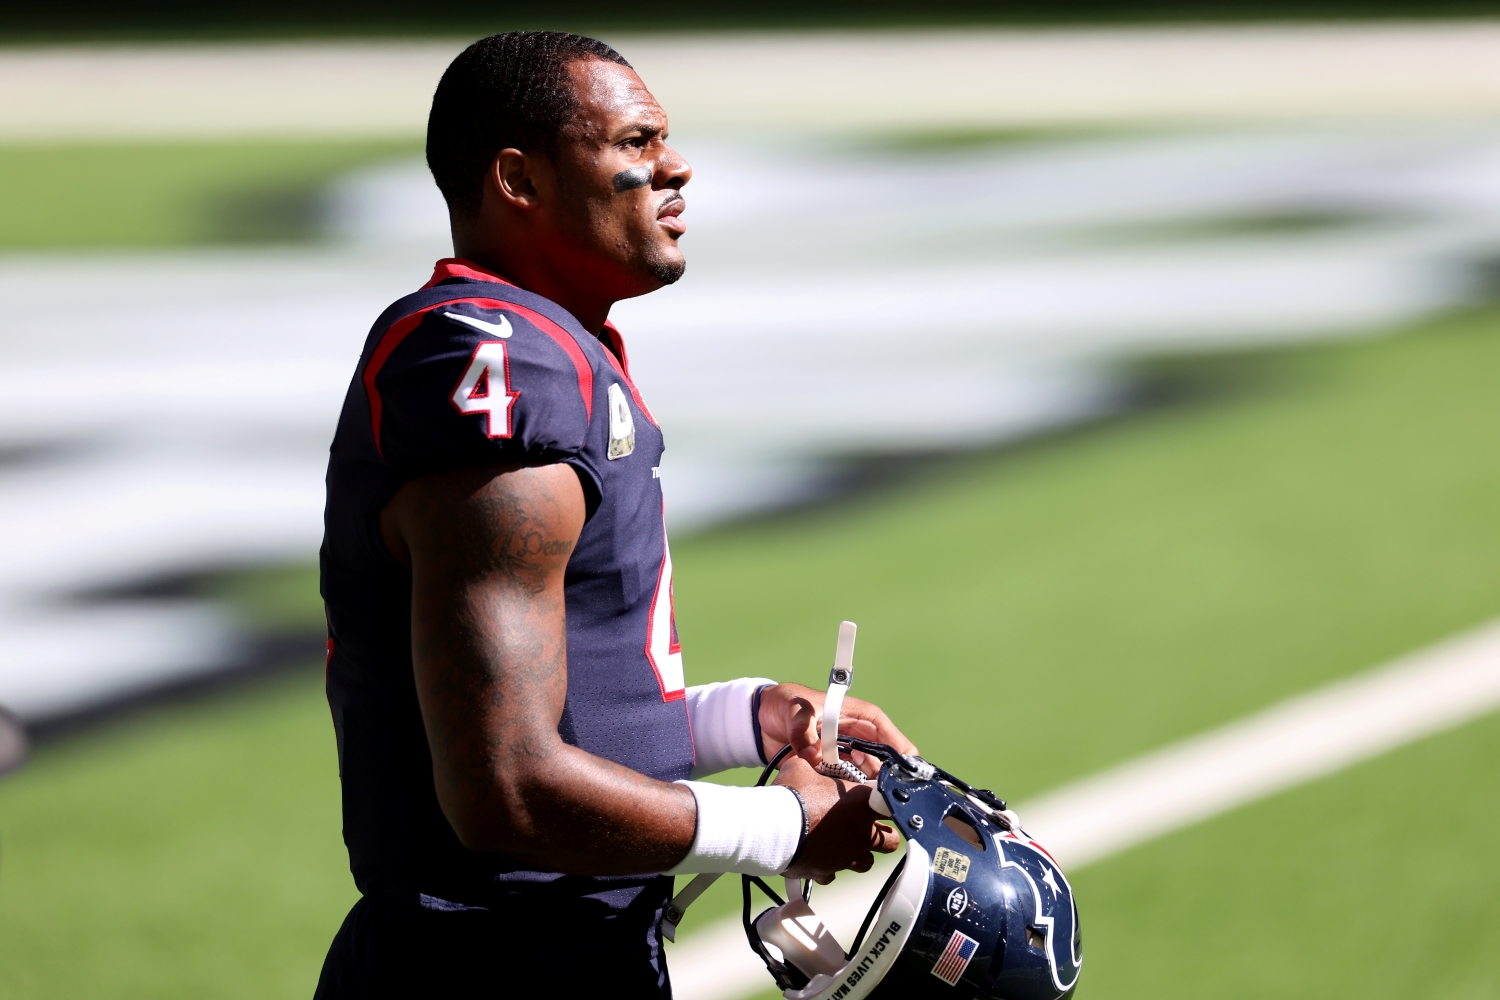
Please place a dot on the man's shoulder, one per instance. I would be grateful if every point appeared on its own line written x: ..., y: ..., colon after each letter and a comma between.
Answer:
x: 481, y: 369
x: 444, y: 325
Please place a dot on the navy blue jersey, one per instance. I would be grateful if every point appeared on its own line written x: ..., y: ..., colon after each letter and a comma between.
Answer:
x: 473, y: 371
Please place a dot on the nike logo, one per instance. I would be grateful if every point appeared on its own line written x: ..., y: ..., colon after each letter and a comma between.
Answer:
x: 501, y: 329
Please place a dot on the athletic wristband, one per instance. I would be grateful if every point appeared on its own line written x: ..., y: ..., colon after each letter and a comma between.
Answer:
x: 806, y: 821
x: 760, y: 746
x: 753, y: 831
x: 725, y: 731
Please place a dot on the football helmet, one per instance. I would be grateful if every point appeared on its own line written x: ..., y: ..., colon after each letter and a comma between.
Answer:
x: 975, y: 907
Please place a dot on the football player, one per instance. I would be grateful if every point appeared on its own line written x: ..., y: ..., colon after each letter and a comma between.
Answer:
x: 516, y: 739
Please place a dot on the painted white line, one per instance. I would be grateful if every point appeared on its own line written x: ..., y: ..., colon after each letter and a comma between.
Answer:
x: 1307, y: 737
x: 1014, y: 337
x: 788, y: 80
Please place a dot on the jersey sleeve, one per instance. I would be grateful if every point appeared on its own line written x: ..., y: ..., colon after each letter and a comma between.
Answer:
x: 469, y: 386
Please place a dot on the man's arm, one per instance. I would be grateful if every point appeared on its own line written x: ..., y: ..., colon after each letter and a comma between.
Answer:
x: 487, y: 553
x: 487, y: 550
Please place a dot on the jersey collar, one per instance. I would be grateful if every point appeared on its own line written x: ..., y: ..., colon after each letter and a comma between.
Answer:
x: 450, y: 268
x: 456, y: 267
x: 610, y: 337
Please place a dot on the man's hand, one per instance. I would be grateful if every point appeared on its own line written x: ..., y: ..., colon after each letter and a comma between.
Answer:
x: 791, y: 713
x: 844, y: 832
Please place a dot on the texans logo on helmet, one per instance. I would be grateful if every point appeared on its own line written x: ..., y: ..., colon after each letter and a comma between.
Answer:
x: 1054, y: 929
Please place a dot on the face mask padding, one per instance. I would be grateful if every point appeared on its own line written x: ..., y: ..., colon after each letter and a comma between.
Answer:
x: 801, y: 937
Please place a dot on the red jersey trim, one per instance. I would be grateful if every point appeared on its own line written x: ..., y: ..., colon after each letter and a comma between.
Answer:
x: 389, y: 341
x: 565, y: 340
x: 612, y: 339
x: 614, y: 349
x: 399, y: 330
x: 457, y: 267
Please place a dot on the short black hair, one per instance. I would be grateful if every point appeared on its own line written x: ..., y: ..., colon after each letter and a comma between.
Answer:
x: 507, y: 91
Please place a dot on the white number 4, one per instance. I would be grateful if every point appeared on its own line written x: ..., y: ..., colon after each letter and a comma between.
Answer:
x: 662, y: 647
x: 485, y: 388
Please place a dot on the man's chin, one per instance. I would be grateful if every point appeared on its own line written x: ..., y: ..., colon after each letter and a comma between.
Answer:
x: 667, y: 270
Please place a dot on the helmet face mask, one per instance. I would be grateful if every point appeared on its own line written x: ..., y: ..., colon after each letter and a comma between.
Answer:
x: 976, y: 908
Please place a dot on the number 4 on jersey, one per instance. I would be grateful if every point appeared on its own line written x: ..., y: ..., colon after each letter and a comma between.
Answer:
x: 485, y: 388
x: 662, y: 647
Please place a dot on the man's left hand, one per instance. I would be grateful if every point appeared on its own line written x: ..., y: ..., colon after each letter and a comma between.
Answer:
x: 792, y: 713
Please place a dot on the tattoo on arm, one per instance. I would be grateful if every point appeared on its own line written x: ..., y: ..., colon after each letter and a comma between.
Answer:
x: 489, y: 647
x: 488, y: 627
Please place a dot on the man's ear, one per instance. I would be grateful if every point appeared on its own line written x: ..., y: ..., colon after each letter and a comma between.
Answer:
x: 513, y: 177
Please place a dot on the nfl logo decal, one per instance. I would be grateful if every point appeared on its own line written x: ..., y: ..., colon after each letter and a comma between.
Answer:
x: 955, y: 958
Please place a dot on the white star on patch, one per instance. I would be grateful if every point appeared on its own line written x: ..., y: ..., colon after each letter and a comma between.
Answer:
x: 1049, y: 881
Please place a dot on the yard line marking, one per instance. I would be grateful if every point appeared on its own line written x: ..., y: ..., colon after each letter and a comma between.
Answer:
x: 726, y: 82
x: 1301, y: 739
x: 1304, y: 738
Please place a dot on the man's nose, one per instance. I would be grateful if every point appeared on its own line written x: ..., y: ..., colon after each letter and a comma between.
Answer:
x: 673, y: 170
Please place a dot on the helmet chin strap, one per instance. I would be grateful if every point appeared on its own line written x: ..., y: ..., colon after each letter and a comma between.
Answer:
x: 839, y: 680
x: 677, y: 907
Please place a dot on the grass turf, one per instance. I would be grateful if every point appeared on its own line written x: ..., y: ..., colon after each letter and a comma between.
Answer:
x: 160, y: 194
x: 1028, y: 616
x: 1034, y: 616
x: 96, y: 20
x: 1379, y: 883
x: 192, y: 852
x: 1099, y: 594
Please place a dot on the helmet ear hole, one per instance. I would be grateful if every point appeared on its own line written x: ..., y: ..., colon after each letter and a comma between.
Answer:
x: 959, y: 823
x: 1037, y: 938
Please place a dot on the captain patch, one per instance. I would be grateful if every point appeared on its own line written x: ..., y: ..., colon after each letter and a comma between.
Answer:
x: 621, y: 424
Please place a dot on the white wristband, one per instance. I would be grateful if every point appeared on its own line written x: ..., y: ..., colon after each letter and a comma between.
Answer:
x: 724, y: 734
x: 753, y: 831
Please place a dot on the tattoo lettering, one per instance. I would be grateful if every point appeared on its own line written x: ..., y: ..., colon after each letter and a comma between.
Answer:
x: 489, y: 630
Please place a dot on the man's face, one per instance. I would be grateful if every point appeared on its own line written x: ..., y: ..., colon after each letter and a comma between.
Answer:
x: 620, y: 183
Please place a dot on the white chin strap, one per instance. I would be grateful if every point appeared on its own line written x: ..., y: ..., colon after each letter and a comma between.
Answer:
x: 801, y: 938
x: 839, y: 680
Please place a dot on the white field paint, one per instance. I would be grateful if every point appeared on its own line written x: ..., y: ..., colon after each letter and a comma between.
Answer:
x: 1016, y: 308
x: 1304, y: 738
x: 732, y: 81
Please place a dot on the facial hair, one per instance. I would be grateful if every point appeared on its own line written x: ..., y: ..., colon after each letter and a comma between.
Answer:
x: 663, y: 268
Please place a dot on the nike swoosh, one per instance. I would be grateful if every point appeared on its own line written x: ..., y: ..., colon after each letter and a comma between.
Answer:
x: 500, y: 329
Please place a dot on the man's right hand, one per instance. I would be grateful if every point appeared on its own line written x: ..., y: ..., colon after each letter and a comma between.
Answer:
x: 844, y: 832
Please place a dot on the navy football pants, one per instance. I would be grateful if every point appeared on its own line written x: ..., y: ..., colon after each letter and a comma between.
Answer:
x: 391, y: 947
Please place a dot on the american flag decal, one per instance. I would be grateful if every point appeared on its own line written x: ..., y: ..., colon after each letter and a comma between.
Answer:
x: 955, y: 958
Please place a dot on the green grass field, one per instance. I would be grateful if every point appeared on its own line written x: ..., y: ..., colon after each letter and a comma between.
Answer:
x: 1381, y: 882
x: 160, y: 194
x: 1029, y: 616
x: 192, y: 852
x: 95, y: 21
